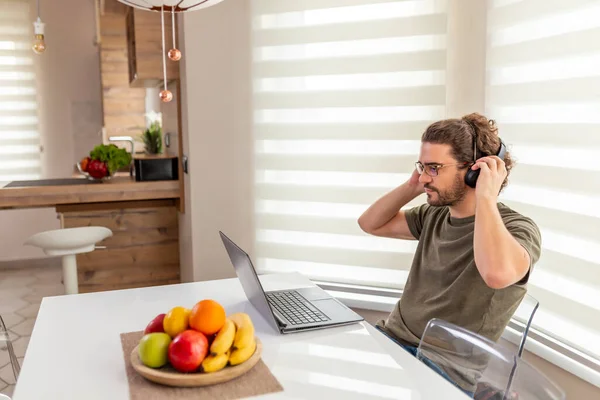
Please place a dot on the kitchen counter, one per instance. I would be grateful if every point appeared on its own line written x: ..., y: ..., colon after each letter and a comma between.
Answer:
x: 143, y: 216
x: 118, y: 189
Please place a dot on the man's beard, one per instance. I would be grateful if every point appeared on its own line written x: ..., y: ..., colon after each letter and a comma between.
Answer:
x: 450, y: 197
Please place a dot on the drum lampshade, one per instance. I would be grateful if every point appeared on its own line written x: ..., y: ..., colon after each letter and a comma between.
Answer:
x: 171, y: 5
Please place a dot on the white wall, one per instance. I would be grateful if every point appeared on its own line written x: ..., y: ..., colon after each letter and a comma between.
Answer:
x: 217, y: 138
x: 466, y: 44
x: 70, y: 112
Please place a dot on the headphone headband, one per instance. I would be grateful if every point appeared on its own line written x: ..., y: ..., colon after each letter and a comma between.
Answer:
x: 471, y: 176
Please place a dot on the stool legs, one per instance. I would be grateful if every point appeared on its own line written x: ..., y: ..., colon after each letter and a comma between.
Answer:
x: 69, y: 264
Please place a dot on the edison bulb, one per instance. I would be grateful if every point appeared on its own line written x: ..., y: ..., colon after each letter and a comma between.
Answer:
x: 166, y: 96
x: 39, y: 45
x: 175, y: 54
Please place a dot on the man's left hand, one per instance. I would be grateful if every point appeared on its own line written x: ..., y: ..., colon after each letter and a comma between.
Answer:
x: 493, y: 172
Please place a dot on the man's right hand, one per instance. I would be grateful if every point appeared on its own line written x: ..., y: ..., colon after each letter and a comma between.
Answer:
x: 384, y: 217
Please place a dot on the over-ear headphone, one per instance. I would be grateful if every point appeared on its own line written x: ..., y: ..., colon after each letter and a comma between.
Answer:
x: 471, y: 176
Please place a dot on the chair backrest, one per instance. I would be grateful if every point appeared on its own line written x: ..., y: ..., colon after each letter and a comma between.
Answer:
x: 523, y: 316
x: 478, y: 365
x: 4, y: 337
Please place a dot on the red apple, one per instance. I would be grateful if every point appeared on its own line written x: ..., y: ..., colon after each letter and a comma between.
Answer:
x: 97, y: 169
x: 156, y: 325
x: 188, y: 350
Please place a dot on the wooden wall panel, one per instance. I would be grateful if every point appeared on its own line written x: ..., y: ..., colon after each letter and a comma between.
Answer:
x: 119, y: 119
x: 143, y: 251
x: 148, y: 46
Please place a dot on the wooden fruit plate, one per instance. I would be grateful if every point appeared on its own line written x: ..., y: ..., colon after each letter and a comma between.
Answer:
x: 167, y: 375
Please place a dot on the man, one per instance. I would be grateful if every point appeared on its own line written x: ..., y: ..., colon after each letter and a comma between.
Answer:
x: 474, y: 254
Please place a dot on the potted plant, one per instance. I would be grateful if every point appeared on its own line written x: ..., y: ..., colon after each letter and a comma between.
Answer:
x: 152, y: 138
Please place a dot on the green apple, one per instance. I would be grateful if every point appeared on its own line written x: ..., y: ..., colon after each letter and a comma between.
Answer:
x: 153, y: 349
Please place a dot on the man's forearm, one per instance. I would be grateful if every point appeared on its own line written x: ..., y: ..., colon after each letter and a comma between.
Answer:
x: 500, y: 259
x: 387, y: 207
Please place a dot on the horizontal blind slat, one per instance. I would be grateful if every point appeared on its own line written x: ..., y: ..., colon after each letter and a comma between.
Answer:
x: 432, y: 95
x: 346, y: 274
x: 558, y: 178
x: 578, y: 90
x: 273, y: 7
x: 354, y: 195
x: 350, y: 163
x: 525, y: 11
x: 308, y: 224
x: 362, y: 258
x: 567, y: 45
x: 396, y: 27
x: 569, y: 309
x: 430, y: 60
x: 554, y: 134
x: 577, y: 225
x: 342, y: 131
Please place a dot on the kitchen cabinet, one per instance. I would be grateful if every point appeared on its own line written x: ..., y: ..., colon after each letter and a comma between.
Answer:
x: 144, y: 48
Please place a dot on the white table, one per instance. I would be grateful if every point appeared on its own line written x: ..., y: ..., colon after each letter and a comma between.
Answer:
x: 75, y: 349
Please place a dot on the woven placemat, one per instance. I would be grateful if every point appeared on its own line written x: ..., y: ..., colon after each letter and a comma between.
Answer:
x: 259, y: 380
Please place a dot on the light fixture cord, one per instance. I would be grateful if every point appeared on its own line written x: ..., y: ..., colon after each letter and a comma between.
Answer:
x: 162, y: 25
x: 173, y: 26
x: 38, y: 8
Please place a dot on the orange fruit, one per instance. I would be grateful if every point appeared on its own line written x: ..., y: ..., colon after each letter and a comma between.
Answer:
x: 207, y: 317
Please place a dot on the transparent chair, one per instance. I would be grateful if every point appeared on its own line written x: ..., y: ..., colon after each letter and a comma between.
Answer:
x: 4, y: 337
x: 523, y: 317
x: 479, y: 366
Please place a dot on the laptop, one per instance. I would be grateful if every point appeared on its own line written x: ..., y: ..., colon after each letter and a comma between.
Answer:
x: 289, y: 311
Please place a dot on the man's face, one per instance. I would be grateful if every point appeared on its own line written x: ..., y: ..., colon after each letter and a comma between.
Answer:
x: 448, y: 188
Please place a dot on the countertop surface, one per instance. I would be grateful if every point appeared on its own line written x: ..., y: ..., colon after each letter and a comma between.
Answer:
x: 52, y: 182
x: 72, y: 191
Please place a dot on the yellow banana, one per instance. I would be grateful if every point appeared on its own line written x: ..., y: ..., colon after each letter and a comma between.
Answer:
x: 242, y: 354
x: 224, y: 339
x: 245, y: 330
x: 214, y: 363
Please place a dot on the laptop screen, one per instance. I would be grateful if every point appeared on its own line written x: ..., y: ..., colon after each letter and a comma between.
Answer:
x: 249, y: 279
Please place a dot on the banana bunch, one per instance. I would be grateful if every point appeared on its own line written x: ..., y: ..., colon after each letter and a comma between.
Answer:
x: 233, y: 344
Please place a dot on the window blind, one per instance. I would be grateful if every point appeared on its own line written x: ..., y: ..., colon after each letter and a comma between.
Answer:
x: 342, y: 91
x: 19, y: 137
x: 543, y: 88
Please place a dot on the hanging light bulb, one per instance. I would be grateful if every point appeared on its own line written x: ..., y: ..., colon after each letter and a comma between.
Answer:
x: 165, y: 94
x: 174, y: 53
x: 39, y: 45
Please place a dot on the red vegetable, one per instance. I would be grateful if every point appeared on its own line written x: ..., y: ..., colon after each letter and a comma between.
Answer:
x: 97, y: 169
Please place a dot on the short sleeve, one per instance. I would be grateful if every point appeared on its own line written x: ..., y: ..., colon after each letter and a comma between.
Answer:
x: 526, y: 232
x: 415, y: 218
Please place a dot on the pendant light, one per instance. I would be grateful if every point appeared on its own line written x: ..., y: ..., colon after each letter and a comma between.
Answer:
x: 172, y: 6
x: 39, y: 44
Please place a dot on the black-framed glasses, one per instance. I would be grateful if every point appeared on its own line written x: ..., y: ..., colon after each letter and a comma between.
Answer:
x: 433, y: 168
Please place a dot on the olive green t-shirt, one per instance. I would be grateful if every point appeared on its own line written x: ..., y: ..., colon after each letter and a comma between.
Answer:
x: 444, y: 281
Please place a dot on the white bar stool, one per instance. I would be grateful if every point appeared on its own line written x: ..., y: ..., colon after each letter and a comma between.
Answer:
x: 67, y: 243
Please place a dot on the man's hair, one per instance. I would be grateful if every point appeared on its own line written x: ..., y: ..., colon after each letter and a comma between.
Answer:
x: 459, y: 135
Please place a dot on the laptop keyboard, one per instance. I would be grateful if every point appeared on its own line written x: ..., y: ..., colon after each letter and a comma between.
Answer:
x: 295, y: 309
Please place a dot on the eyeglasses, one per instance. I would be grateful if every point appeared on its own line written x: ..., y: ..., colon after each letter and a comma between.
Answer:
x: 433, y: 169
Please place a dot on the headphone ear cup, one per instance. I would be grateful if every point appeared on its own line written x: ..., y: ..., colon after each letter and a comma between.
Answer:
x: 471, y: 177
